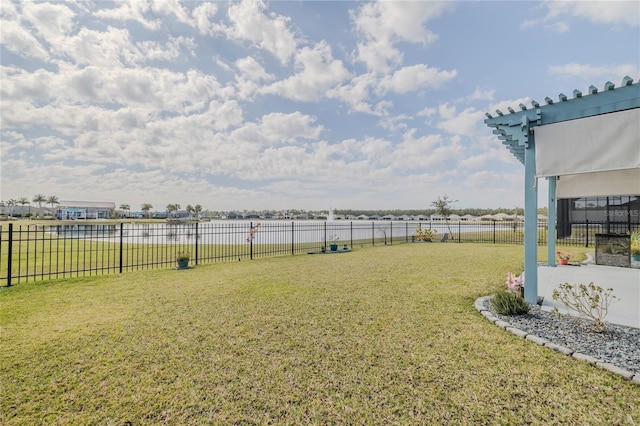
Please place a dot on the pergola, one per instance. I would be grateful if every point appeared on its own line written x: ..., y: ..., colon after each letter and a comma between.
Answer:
x: 584, y: 146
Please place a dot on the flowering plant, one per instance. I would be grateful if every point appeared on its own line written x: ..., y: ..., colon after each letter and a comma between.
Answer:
x: 514, y: 283
x: 183, y: 255
x: 563, y: 256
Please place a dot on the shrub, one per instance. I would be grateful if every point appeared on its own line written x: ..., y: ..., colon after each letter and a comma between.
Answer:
x: 425, y: 235
x: 589, y: 301
x: 508, y: 303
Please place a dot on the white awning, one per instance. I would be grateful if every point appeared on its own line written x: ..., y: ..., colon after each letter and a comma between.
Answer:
x: 601, y: 184
x: 595, y: 144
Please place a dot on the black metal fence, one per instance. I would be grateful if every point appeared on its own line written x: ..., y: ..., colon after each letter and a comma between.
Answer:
x: 31, y: 252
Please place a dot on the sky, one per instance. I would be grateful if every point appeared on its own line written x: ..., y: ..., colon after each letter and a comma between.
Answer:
x: 288, y: 104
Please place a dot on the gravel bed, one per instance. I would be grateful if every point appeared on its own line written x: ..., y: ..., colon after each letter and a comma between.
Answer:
x: 619, y: 345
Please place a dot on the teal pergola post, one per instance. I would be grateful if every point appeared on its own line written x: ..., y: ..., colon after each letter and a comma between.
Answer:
x: 551, y: 224
x: 530, y: 219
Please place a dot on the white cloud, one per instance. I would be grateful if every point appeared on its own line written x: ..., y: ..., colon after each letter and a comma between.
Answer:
x: 289, y: 127
x: 356, y: 93
x: 51, y: 21
x: 481, y: 95
x: 249, y: 22
x: 318, y: 72
x: 593, y: 72
x: 251, y: 76
x: 109, y: 49
x: 427, y: 112
x: 253, y: 69
x: 20, y: 41
x: 381, y: 25
x: 428, y: 151
x: 152, y: 50
x: 465, y: 122
x: 172, y: 8
x: 600, y: 12
x: 613, y: 13
x: 413, y: 78
x: 277, y: 129
x: 130, y: 11
x: 394, y: 123
x: 202, y: 15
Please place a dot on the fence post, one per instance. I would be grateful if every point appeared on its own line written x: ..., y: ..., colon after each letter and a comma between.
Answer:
x: 9, y: 254
x: 196, y: 243
x: 494, y: 231
x: 251, y: 240
x: 293, y: 250
x: 406, y: 232
x: 351, y: 233
x: 373, y: 233
x: 325, y: 236
x: 459, y: 230
x: 121, y: 245
x: 391, y: 234
x: 587, y: 243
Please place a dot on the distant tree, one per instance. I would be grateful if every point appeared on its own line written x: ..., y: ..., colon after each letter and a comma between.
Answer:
x: 11, y: 204
x: 53, y: 201
x: 39, y: 199
x: 197, y: 209
x: 146, y: 207
x: 126, y: 208
x: 443, y: 205
x: 22, y: 201
x: 172, y: 208
x: 443, y: 208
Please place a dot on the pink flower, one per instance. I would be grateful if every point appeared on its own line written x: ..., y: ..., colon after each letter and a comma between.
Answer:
x: 513, y: 282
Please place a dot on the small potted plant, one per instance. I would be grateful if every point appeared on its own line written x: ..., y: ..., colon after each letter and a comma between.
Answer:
x: 182, y: 257
x: 563, y: 258
x: 333, y: 240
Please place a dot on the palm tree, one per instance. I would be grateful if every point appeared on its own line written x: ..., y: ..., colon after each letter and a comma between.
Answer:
x: 145, y: 207
x: 53, y: 200
x: 22, y: 201
x: 39, y: 199
x: 11, y: 204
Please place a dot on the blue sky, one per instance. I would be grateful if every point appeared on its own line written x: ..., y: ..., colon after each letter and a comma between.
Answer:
x: 282, y: 105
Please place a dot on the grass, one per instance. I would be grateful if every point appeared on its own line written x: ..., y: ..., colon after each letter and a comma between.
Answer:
x: 383, y: 335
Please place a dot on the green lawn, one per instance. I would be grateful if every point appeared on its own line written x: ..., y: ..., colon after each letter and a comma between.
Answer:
x: 381, y: 335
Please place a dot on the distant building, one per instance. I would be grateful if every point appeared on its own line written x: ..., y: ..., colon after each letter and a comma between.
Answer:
x: 74, y: 210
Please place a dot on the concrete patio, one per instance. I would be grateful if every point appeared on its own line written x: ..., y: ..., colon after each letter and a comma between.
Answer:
x: 624, y: 281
